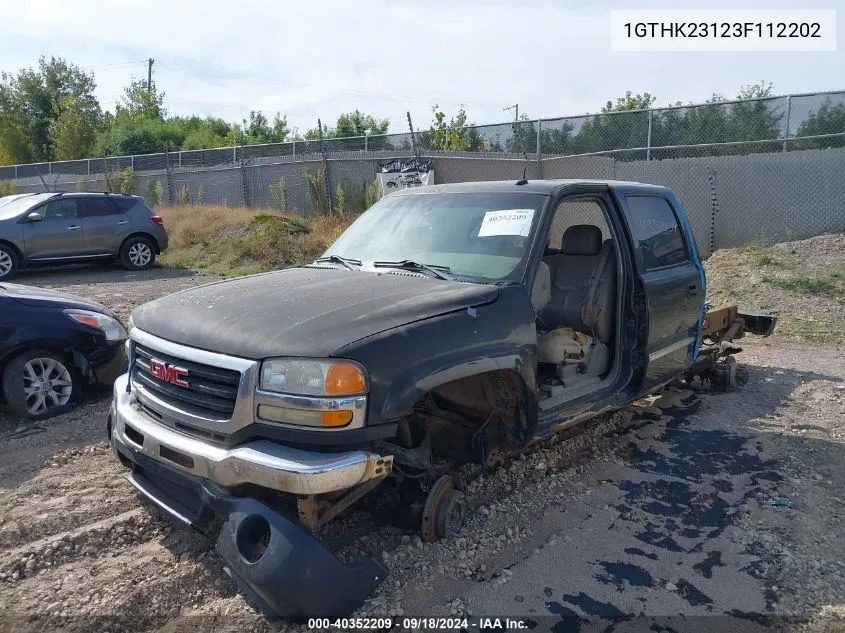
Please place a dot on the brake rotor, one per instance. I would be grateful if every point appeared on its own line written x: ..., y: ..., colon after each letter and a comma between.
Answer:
x: 444, y: 510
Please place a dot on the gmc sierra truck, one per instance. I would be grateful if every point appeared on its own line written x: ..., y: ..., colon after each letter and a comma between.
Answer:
x: 448, y: 324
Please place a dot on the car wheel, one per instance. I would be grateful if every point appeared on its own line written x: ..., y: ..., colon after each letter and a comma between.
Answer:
x: 39, y: 384
x: 8, y: 262
x: 137, y: 253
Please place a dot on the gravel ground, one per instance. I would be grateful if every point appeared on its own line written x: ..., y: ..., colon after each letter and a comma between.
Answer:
x: 663, y: 509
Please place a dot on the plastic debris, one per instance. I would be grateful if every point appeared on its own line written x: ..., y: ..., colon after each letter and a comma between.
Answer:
x: 780, y: 502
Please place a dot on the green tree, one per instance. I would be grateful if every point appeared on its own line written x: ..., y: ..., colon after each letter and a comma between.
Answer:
x: 452, y: 136
x: 140, y: 104
x: 72, y: 134
x: 359, y: 124
x: 828, y: 119
x: 32, y: 101
x: 630, y: 102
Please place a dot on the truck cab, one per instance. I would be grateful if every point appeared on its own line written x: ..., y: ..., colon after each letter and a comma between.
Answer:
x: 449, y: 324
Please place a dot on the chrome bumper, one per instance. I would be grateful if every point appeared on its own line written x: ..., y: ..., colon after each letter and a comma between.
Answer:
x: 262, y: 463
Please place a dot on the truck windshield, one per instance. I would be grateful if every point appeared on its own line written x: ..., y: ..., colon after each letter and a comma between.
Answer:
x: 477, y: 235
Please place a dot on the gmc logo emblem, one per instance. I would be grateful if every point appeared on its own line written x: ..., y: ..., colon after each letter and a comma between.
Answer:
x: 168, y: 373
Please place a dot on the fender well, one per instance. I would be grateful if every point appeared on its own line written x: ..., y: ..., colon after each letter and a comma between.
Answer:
x: 145, y: 236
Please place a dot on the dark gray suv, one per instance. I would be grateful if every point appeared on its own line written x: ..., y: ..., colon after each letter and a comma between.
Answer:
x: 63, y: 228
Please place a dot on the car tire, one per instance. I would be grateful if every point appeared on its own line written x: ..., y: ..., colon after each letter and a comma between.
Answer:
x: 137, y: 253
x: 8, y: 262
x: 40, y: 384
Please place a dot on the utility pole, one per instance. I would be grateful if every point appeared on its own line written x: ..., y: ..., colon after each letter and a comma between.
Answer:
x: 515, y: 108
x: 150, y: 62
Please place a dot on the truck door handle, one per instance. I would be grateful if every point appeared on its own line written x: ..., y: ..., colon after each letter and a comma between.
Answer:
x: 692, y: 290
x: 73, y: 228
x: 123, y: 222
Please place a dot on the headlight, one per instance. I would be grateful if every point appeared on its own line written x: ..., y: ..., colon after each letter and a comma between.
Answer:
x: 313, y: 377
x: 111, y: 327
x: 130, y: 324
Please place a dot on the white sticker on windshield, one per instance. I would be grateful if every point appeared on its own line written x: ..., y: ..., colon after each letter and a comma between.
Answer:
x: 508, y: 222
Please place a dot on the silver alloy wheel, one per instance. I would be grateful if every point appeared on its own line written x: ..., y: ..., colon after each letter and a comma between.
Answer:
x: 140, y: 254
x: 47, y: 384
x: 5, y: 263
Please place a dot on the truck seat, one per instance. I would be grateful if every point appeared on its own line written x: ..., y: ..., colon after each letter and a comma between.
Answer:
x: 583, y: 291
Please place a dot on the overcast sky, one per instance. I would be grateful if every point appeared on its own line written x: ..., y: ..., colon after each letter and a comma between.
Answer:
x: 310, y: 59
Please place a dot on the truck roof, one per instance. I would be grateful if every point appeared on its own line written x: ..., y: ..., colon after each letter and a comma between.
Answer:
x: 545, y: 187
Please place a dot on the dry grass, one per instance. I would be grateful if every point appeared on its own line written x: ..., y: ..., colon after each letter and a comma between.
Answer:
x: 235, y: 241
x: 803, y: 282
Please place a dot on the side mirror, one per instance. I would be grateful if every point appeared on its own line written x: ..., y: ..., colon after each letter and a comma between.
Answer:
x: 34, y: 217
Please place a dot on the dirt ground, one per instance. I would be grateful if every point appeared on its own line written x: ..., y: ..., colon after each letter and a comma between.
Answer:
x: 725, y: 512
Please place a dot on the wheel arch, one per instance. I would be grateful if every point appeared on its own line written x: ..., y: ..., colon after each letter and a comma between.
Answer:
x: 15, y: 248
x: 76, y: 358
x: 147, y: 236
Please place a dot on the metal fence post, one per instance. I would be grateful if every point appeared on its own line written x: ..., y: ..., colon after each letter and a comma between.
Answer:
x: 786, y: 121
x: 132, y: 162
x: 89, y: 167
x: 539, y: 136
x: 235, y: 154
x: 16, y: 169
x: 169, y: 180
x: 366, y: 136
x: 180, y: 160
x: 243, y: 184
x: 324, y: 151
x: 294, y: 146
x: 648, y: 140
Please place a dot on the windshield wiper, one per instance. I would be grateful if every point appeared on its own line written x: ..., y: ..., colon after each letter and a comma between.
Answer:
x: 438, y: 271
x: 351, y: 264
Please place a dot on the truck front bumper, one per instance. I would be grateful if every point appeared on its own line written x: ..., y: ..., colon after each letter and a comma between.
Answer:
x: 262, y: 463
x: 283, y: 569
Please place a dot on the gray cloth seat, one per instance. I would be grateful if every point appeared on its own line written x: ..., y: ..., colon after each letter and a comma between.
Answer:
x: 583, y: 285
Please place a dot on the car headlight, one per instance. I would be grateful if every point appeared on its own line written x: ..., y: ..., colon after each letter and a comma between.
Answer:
x: 130, y: 324
x: 309, y: 377
x: 111, y: 327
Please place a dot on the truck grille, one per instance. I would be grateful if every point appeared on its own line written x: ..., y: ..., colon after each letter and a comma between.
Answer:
x: 210, y: 390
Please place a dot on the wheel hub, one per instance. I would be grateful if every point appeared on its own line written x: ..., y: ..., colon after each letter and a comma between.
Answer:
x: 444, y: 511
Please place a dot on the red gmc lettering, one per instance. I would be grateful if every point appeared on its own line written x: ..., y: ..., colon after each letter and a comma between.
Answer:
x: 168, y: 373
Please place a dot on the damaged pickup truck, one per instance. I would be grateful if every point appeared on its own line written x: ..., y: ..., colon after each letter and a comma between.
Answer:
x: 448, y: 324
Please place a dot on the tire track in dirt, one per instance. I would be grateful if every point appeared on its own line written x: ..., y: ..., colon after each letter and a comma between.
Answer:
x: 141, y: 587
x: 73, y: 489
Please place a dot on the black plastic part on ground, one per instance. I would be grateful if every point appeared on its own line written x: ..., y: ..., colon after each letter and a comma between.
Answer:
x: 279, y: 566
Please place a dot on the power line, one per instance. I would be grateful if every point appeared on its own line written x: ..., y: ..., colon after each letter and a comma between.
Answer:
x: 233, y: 75
x: 138, y: 61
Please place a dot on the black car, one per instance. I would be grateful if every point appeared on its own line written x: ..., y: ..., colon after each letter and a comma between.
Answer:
x: 52, y: 346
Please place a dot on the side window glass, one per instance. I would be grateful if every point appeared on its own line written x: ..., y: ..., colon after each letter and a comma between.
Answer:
x: 63, y: 209
x: 660, y: 241
x: 96, y: 207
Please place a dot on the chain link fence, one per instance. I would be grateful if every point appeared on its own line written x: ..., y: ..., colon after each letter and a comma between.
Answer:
x: 760, y: 170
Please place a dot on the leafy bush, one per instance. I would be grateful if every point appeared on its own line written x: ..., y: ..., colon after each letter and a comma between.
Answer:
x: 8, y: 187
x: 128, y: 185
x: 184, y: 195
x: 279, y: 194
x: 155, y: 192
x: 316, y: 191
x: 372, y: 193
x: 341, y: 195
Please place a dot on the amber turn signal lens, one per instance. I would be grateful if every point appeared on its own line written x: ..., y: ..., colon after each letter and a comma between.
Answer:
x: 345, y: 379
x: 87, y: 320
x: 336, y: 418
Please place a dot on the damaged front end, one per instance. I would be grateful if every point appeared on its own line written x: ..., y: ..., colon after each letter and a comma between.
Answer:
x: 284, y: 570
